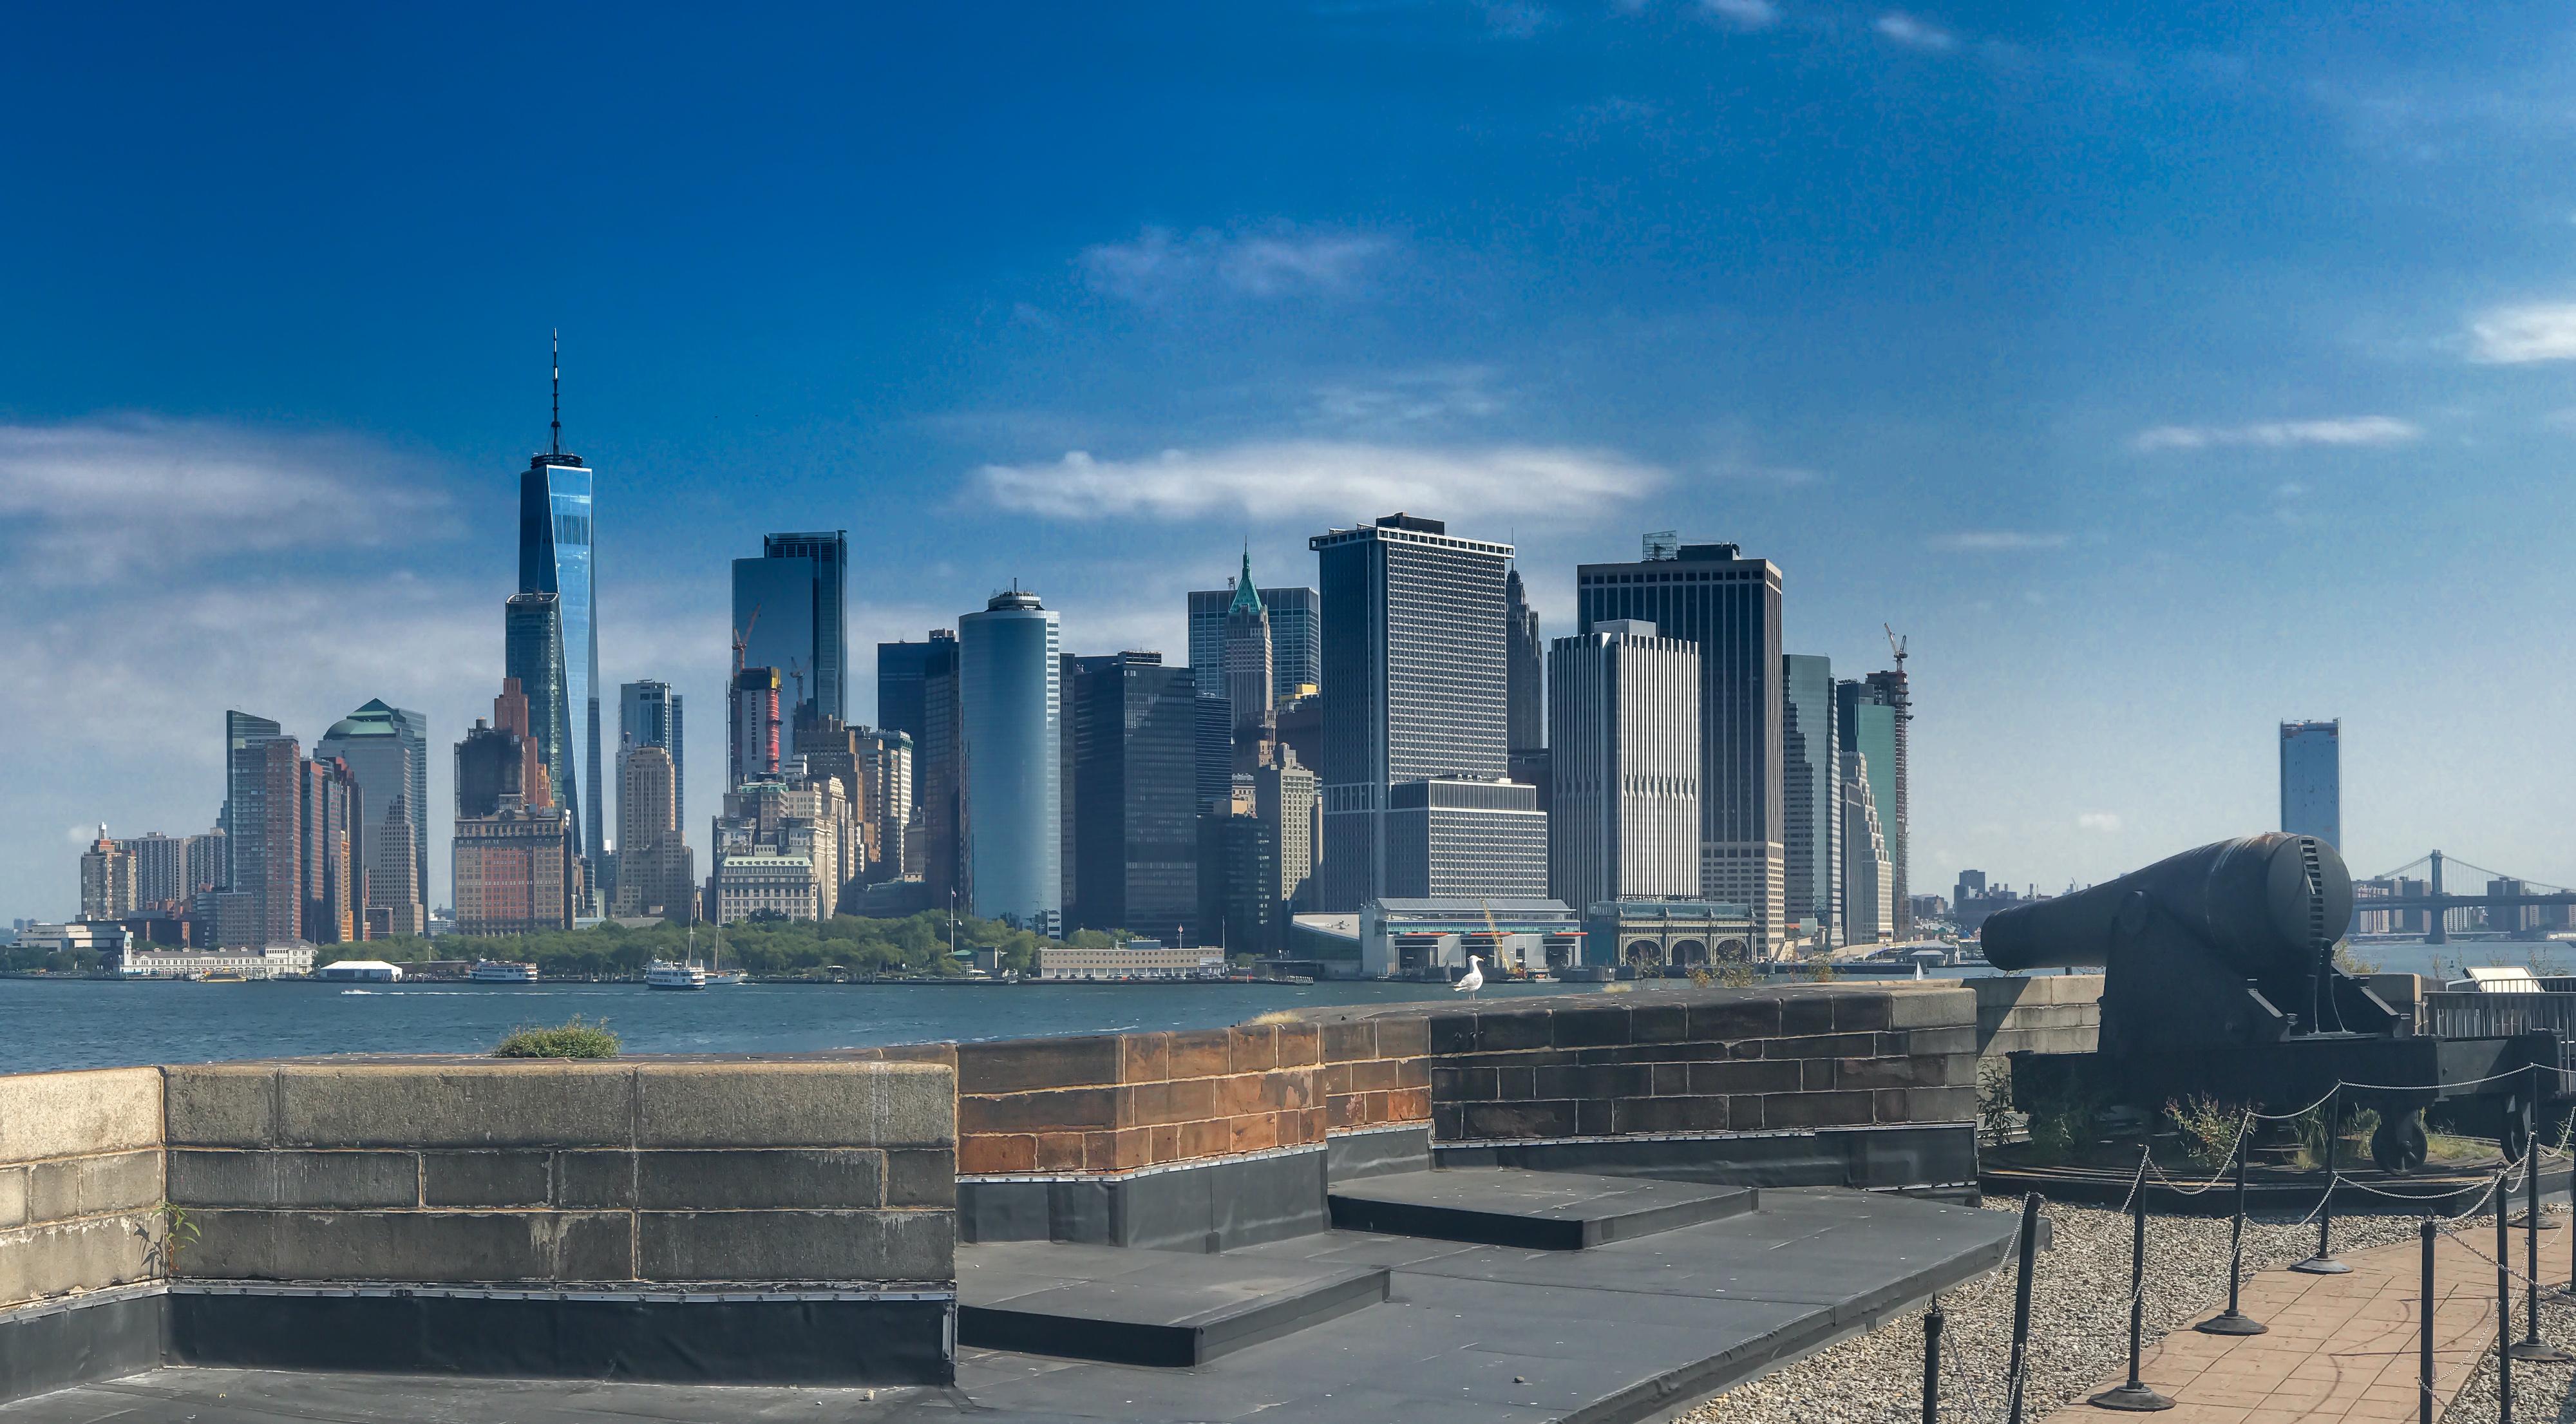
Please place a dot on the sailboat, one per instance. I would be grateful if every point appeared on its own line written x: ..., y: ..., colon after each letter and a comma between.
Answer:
x: 716, y: 972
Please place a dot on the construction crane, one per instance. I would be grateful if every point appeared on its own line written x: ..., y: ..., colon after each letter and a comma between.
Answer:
x: 1895, y: 645
x: 742, y: 639
x: 796, y: 670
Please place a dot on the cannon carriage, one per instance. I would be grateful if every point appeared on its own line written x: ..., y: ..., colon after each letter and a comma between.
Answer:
x: 2219, y: 980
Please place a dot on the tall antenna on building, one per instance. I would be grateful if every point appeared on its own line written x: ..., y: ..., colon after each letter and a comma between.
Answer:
x: 557, y: 446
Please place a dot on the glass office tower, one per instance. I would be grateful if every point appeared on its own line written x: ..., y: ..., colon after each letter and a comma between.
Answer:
x: 556, y: 555
x: 2312, y: 780
x: 649, y: 715
x: 1010, y: 695
x: 387, y: 749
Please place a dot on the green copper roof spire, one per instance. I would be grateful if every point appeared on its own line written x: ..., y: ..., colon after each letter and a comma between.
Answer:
x: 1246, y: 598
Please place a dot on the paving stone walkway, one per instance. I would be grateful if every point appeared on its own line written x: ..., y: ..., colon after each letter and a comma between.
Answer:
x: 2340, y: 1347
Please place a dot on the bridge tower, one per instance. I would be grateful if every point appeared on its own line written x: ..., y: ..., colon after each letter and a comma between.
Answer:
x: 2437, y: 920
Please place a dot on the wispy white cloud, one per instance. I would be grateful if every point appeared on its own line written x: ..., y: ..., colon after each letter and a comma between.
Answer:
x: 1268, y: 480
x: 1995, y: 541
x: 1747, y: 14
x: 2105, y: 822
x: 1161, y: 266
x: 1432, y: 396
x: 91, y: 496
x: 2539, y: 331
x: 1901, y: 28
x: 2280, y: 434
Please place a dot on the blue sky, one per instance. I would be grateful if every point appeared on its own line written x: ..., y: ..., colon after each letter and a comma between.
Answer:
x: 2162, y: 372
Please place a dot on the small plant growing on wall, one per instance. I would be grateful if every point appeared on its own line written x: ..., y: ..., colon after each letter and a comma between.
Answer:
x: 575, y: 1037
x: 1996, y: 1118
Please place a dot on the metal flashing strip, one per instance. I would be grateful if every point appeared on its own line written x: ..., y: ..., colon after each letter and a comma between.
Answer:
x: 58, y: 1304
x: 390, y: 1291
x: 1342, y: 1133
x: 1132, y: 1173
x: 1468, y: 1143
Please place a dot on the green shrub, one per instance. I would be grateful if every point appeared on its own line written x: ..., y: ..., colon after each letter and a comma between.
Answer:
x: 2209, y: 1130
x: 573, y: 1038
x: 2061, y: 1122
x: 1995, y: 1115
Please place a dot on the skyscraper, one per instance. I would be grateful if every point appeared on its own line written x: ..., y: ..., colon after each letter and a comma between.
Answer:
x: 387, y: 749
x: 1247, y: 670
x: 1870, y: 719
x: 1729, y: 605
x: 940, y: 781
x: 1413, y: 684
x: 752, y: 727
x: 160, y: 869
x: 1869, y: 875
x: 885, y: 767
x: 394, y: 890
x: 1010, y: 700
x: 1811, y: 780
x: 1283, y: 797
x: 106, y: 880
x: 557, y: 556
x: 1897, y: 815
x: 900, y: 670
x: 2312, y: 780
x: 1135, y: 799
x: 1524, y: 692
x: 532, y: 657
x: 1296, y: 637
x: 654, y: 865
x: 1624, y: 722
x: 648, y: 715
x: 334, y: 898
x: 241, y: 788
x: 803, y: 631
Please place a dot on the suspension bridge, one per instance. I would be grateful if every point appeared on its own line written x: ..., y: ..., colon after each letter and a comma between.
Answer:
x: 2419, y: 886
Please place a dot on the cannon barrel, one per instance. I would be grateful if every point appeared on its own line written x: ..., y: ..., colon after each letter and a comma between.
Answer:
x: 2265, y: 905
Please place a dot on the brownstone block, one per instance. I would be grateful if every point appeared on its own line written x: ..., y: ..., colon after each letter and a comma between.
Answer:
x: 1256, y: 1133
x: 1376, y: 1108
x: 1142, y: 1104
x: 1208, y: 1053
x: 1120, y: 1151
x: 1744, y: 1114
x: 1343, y: 1110
x: 1165, y: 1143
x: 1020, y: 1065
x: 1891, y: 1104
x: 979, y: 1156
x: 1886, y: 1073
x: 1334, y: 1079
x: 1412, y: 1072
x: 1144, y: 1057
x: 1408, y: 1105
x: 1346, y: 1041
x: 1861, y: 1010
x: 1728, y: 1020
x: 1315, y: 1127
x: 1807, y: 1013
x: 1555, y: 1119
x: 1668, y: 1079
x: 1192, y: 1099
x: 1070, y: 1108
x: 1060, y: 1151
x: 1658, y: 1023
x: 1376, y: 1075
x: 1816, y: 1075
x: 1296, y: 1088
x: 1751, y: 1076
x: 1204, y: 1139
x: 1596, y: 1117
x: 1299, y: 1044
x: 1822, y: 1045
x: 1288, y: 1129
x: 1239, y: 1094
x: 1404, y: 1037
x: 1672, y: 1115
x: 1255, y: 1047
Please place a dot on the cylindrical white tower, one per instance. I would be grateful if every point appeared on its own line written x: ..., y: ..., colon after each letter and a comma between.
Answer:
x: 1011, y: 703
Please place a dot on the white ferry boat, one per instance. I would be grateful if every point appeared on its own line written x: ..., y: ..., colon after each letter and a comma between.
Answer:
x: 663, y: 974
x: 502, y: 971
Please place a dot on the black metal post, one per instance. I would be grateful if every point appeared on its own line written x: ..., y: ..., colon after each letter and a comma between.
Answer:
x: 2504, y: 1307
x: 2531, y: 1347
x: 2134, y: 1397
x: 2021, y: 1310
x: 2424, y: 1334
x: 2323, y: 1263
x: 1933, y: 1320
x: 2233, y: 1321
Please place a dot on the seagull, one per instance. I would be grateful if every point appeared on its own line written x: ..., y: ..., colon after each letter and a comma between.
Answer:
x: 1471, y: 981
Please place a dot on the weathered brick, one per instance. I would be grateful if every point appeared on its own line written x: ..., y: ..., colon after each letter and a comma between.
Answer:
x: 1408, y: 1105
x: 1409, y: 1072
x: 1056, y: 1110
x: 1668, y: 1079
x: 1466, y: 1085
x: 1299, y: 1044
x: 1588, y: 1028
x: 1448, y: 1122
x: 789, y: 1246
x: 1144, y: 1057
x: 1807, y: 1013
x: 94, y: 1186
x: 1658, y: 1023
x: 1451, y: 1034
x: 318, y: 1180
x: 1334, y: 1079
x: 1859, y: 1009
x: 1817, y: 1109
x: 1685, y: 1114
x: 1060, y: 1151
x: 220, y: 1104
x: 1595, y: 1117
x: 1931, y: 1008
x: 985, y: 1154
x: 1403, y: 1036
x: 1254, y: 1047
x: 604, y: 1180
x: 13, y: 1197
x: 1376, y: 1075
x: 1205, y: 1053
x: 1817, y: 1075
x: 1730, y: 1019
x: 1882, y: 1072
x: 1255, y: 1132
x: 73, y: 1114
x: 1744, y: 1113
x: 922, y: 1176
x: 1343, y: 1110
x: 1822, y: 1045
x: 806, y: 1104
x: 803, y: 1178
x: 1940, y: 1104
x: 1346, y: 1041
x: 1541, y: 1119
x: 1166, y: 1142
x: 457, y: 1246
x: 1019, y: 1065
x: 93, y: 1254
x: 520, y: 1104
x: 1502, y: 1029
x: 1209, y: 1138
x: 1753, y: 1076
x: 486, y: 1178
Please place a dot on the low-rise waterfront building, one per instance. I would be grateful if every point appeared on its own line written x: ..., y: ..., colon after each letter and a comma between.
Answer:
x: 276, y: 961
x: 1418, y: 935
x: 1134, y: 959
x: 1680, y: 932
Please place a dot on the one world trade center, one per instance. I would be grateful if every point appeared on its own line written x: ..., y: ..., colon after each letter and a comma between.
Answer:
x: 555, y: 557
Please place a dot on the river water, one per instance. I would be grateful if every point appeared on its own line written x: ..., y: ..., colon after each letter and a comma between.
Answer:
x: 88, y: 1023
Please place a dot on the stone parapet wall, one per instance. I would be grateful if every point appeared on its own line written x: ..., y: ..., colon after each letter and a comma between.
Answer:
x: 2038, y: 1013
x: 458, y: 1171
x: 80, y: 1182
x: 1680, y: 1060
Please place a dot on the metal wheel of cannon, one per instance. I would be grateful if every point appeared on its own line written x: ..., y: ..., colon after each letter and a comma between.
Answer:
x: 2398, y: 1144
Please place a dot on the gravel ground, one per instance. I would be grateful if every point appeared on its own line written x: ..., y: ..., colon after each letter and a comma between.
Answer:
x: 2079, y: 1325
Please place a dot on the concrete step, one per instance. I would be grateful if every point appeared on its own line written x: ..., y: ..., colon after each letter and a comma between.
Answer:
x: 1138, y: 1307
x: 1548, y: 1211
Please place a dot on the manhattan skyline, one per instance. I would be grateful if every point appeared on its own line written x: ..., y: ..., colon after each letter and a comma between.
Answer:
x: 2111, y: 361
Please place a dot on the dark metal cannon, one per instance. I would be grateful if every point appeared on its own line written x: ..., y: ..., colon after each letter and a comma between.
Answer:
x: 2219, y: 981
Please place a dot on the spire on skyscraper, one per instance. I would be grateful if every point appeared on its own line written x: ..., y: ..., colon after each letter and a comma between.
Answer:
x: 1246, y: 598
x: 555, y: 446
